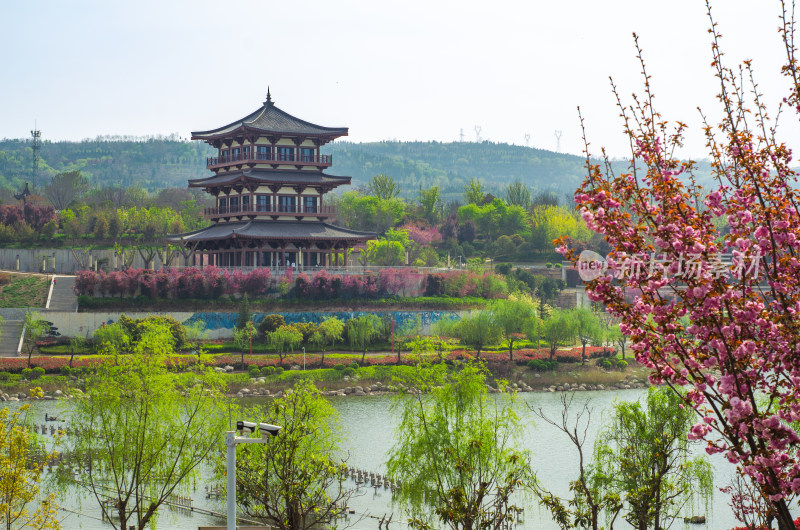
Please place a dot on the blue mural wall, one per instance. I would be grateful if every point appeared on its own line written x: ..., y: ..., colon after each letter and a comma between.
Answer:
x: 401, y: 318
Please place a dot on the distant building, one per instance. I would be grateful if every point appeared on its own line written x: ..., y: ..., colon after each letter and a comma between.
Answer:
x: 269, y: 188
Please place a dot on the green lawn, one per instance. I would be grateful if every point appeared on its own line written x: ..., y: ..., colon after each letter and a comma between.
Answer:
x: 23, y: 290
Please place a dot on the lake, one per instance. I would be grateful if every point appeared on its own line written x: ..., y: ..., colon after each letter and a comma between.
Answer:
x: 368, y: 423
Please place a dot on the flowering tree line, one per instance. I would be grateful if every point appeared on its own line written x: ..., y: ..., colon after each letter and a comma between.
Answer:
x: 212, y: 282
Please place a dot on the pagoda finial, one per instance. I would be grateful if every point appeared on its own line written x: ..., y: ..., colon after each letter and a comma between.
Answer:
x: 268, y: 102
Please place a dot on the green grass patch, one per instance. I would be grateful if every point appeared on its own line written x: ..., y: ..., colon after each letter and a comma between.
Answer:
x: 22, y: 290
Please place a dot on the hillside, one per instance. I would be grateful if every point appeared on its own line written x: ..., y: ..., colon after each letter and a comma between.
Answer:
x: 156, y: 163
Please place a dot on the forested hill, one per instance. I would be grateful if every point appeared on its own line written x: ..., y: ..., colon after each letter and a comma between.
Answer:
x: 152, y: 163
x: 156, y: 163
x: 451, y: 165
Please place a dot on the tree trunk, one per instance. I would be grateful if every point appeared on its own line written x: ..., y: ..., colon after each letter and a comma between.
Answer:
x: 478, y: 355
x: 363, y: 355
x: 583, y: 353
x: 510, y: 351
x: 322, y: 361
x: 783, y: 516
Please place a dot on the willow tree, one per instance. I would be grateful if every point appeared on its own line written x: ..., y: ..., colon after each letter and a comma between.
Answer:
x: 295, y: 481
x: 20, y: 474
x: 145, y: 432
x: 457, y: 453
x: 644, y: 457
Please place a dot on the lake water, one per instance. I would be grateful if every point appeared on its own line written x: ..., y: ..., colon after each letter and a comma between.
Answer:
x: 368, y: 423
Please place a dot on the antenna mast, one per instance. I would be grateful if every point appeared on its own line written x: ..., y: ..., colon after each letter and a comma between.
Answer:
x: 558, y: 141
x: 527, y: 139
x: 461, y: 136
x: 36, y: 134
x: 478, y: 130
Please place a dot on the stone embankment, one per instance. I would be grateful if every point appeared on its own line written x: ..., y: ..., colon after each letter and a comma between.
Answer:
x: 48, y: 396
x: 258, y: 388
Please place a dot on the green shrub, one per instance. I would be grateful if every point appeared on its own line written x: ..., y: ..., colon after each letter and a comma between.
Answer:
x: 27, y: 373
x: 278, y: 370
x: 254, y: 371
x: 621, y: 365
x: 604, y: 363
x: 339, y: 367
x: 503, y: 268
x: 66, y: 370
x: 557, y: 265
x: 349, y: 371
x: 542, y: 365
x: 354, y: 365
x: 5, y: 376
x: 37, y: 372
x: 270, y: 323
x: 268, y: 370
x: 549, y: 265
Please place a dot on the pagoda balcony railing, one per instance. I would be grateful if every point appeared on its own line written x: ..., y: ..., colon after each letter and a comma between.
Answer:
x: 267, y: 209
x: 216, y: 162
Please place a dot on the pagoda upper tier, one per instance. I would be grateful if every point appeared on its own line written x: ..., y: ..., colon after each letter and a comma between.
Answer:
x: 269, y: 137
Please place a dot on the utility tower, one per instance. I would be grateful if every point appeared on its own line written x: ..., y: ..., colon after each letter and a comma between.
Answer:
x: 558, y: 141
x: 36, y: 134
x: 478, y: 130
x: 461, y: 136
x: 527, y: 139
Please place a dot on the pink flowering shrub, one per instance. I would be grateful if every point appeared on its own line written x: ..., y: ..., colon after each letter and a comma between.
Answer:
x: 192, y: 282
x: 465, y: 283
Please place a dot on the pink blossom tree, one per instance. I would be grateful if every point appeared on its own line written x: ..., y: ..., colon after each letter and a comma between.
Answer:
x: 725, y: 328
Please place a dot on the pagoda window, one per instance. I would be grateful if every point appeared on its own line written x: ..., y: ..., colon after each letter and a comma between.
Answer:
x: 235, y: 152
x: 310, y: 204
x: 306, y: 154
x: 286, y: 154
x: 246, y: 152
x: 263, y: 152
x: 245, y: 203
x: 286, y: 204
x: 223, y: 205
x: 262, y: 203
x: 224, y: 156
x: 233, y: 204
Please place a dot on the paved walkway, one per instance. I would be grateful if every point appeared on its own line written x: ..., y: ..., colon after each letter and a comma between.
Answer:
x: 9, y: 341
x: 63, y: 297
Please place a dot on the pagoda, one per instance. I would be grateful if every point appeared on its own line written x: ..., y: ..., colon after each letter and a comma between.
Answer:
x: 269, y: 187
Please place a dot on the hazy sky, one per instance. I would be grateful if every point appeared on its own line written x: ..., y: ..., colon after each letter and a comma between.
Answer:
x: 412, y: 70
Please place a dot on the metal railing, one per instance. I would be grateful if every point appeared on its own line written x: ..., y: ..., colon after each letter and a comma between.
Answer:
x: 267, y: 158
x: 261, y: 209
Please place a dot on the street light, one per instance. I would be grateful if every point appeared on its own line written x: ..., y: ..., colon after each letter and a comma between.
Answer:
x: 231, y: 441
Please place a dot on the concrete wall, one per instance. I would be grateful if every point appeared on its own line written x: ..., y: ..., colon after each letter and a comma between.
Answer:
x: 63, y: 261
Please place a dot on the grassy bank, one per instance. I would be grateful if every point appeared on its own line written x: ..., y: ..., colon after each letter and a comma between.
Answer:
x: 23, y: 290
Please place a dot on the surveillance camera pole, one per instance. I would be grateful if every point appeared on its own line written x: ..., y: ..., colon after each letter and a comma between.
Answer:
x: 231, y: 441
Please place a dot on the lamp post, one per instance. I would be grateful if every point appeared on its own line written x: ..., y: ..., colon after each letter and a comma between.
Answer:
x: 231, y: 441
